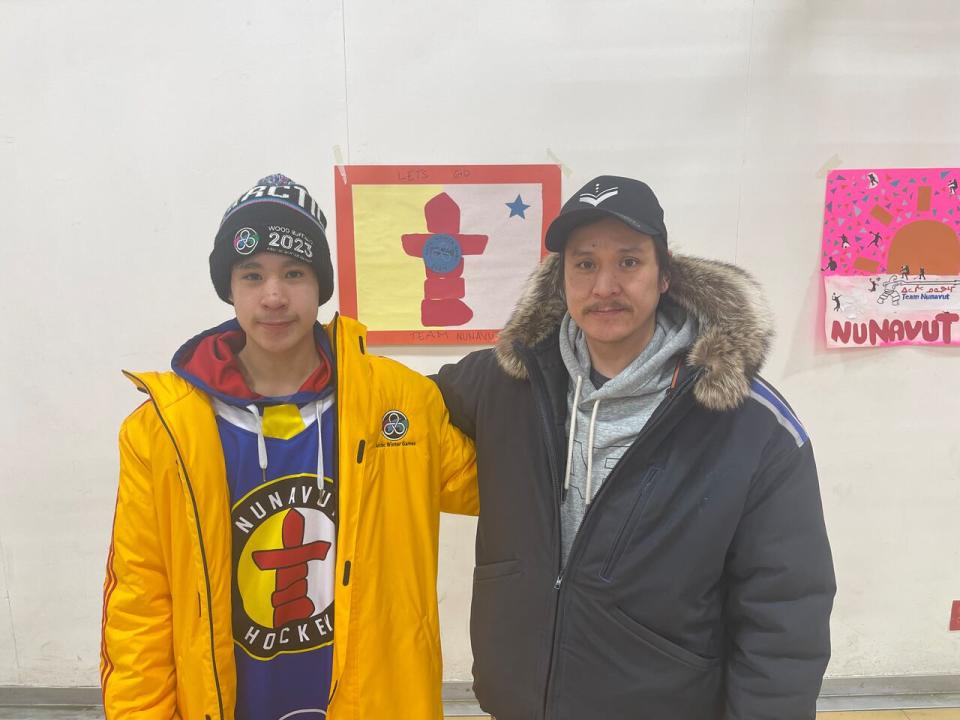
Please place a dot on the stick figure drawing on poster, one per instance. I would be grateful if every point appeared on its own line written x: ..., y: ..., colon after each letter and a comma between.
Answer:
x: 876, y: 240
x: 836, y: 302
x: 890, y: 292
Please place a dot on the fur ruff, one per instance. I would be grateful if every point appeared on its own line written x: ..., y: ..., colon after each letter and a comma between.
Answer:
x: 736, y: 325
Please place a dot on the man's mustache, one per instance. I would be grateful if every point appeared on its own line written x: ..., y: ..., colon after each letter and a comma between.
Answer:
x: 606, y: 306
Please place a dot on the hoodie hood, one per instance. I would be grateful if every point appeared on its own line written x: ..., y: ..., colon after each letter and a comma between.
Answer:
x: 648, y: 374
x: 209, y: 362
x: 734, y: 320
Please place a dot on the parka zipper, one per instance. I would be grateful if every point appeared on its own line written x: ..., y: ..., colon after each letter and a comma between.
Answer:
x: 659, y: 414
x: 335, y: 380
x: 203, y: 551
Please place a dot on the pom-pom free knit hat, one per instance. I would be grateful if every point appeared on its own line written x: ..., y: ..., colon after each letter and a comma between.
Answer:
x: 275, y: 215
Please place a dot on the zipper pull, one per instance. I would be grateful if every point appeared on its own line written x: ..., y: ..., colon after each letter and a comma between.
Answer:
x: 556, y: 585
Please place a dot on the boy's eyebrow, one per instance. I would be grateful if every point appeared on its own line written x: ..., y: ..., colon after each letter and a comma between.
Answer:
x: 247, y: 264
x: 257, y: 265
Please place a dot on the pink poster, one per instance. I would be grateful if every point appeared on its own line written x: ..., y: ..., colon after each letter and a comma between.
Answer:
x: 891, y: 258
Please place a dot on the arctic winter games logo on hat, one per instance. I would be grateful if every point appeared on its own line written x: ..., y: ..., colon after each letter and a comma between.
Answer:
x: 245, y: 241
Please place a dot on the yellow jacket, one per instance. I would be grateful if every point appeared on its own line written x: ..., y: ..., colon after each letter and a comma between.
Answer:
x: 167, y: 649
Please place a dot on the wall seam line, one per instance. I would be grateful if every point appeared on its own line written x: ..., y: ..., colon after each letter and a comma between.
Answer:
x: 743, y: 131
x: 346, y: 97
x: 9, y: 604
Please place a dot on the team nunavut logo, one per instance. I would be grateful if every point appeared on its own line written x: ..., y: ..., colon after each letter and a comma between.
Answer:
x: 283, y: 587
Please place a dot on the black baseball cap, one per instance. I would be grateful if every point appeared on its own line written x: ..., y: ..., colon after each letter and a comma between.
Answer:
x: 628, y: 200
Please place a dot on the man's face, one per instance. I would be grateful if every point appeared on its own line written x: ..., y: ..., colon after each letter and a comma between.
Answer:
x: 276, y: 301
x: 612, y: 282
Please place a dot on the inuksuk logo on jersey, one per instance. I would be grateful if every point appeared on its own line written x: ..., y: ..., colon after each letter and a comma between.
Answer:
x: 283, y: 585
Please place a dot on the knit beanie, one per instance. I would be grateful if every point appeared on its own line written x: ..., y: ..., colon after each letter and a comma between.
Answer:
x: 276, y: 215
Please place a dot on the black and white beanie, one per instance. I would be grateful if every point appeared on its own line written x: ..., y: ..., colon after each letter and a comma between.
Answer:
x: 276, y: 215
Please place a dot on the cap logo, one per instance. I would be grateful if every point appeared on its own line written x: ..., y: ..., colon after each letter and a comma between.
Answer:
x: 597, y: 197
x: 245, y: 241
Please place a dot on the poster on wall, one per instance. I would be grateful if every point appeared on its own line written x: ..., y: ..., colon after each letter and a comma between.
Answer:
x: 891, y: 257
x: 439, y: 254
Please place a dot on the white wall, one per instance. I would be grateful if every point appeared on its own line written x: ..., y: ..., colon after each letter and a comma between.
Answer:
x: 126, y: 127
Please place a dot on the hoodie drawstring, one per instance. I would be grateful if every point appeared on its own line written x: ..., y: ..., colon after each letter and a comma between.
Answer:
x: 570, y: 441
x: 261, y: 442
x: 319, y: 448
x: 573, y: 431
x: 593, y: 424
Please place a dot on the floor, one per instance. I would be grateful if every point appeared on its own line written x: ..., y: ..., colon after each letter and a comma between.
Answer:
x: 952, y: 714
x: 11, y: 713
x: 944, y: 714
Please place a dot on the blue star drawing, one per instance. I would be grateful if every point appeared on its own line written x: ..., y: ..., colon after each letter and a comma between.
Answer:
x: 517, y: 207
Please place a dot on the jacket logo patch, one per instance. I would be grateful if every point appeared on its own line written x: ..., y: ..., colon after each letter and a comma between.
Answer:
x: 282, y: 589
x: 394, y: 425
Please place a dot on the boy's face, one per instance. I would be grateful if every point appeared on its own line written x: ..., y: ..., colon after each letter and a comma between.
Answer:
x: 276, y: 300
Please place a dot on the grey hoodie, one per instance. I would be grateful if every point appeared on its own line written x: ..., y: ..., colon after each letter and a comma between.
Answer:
x: 608, y: 419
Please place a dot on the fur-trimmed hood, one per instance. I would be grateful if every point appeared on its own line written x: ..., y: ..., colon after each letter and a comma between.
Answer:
x: 736, y: 325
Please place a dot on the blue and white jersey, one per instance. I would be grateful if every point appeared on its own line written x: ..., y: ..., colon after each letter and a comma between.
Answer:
x: 284, y: 524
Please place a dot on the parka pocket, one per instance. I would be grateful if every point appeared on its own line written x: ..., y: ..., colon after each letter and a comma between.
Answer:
x: 662, y: 645
x: 504, y: 614
x: 493, y: 570
x: 645, y: 486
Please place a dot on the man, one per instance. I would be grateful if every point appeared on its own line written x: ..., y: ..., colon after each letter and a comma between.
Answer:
x: 651, y: 540
x: 274, y: 551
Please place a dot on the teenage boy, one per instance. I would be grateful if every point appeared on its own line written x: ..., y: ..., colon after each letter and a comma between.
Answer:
x: 274, y: 551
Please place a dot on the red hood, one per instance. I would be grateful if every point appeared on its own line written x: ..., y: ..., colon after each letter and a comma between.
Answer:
x: 211, y: 363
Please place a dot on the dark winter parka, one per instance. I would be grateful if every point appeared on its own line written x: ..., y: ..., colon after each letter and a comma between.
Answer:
x: 700, y: 583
